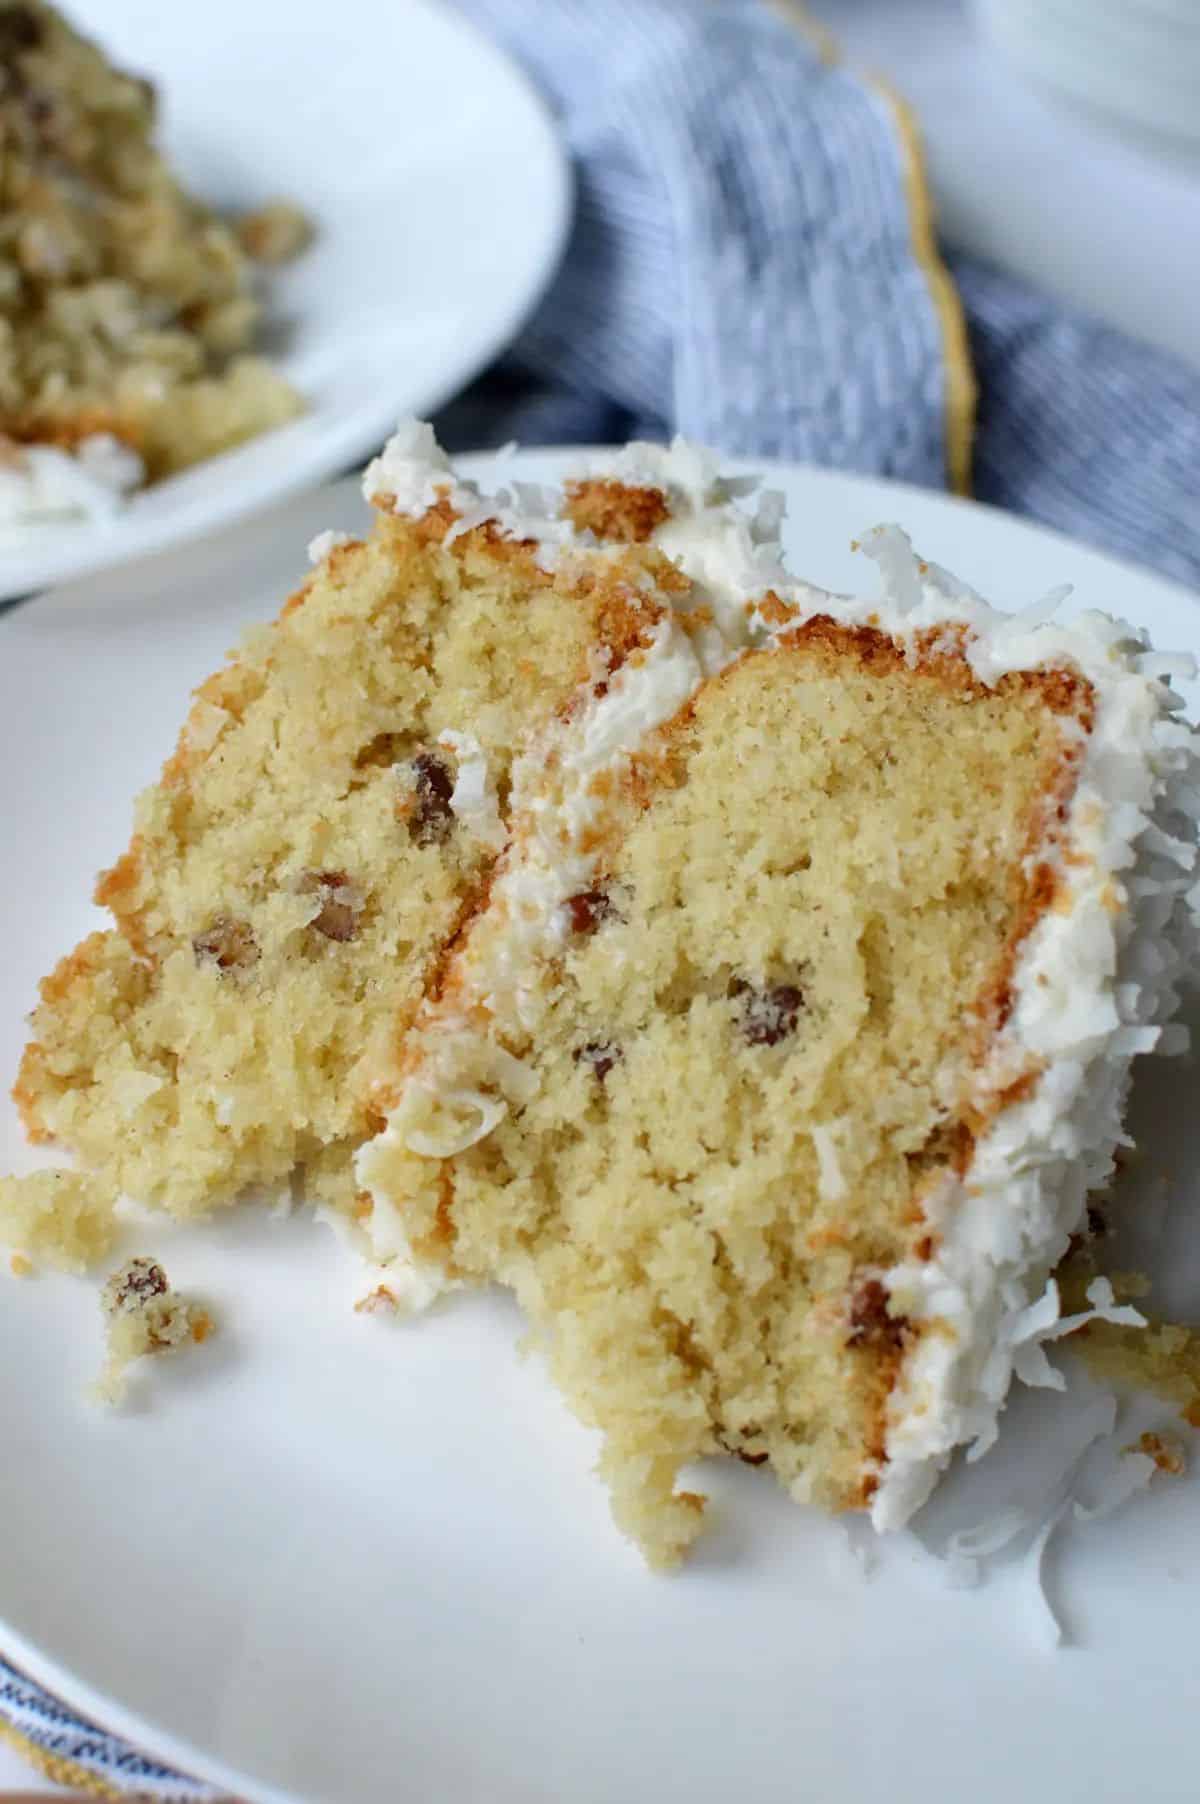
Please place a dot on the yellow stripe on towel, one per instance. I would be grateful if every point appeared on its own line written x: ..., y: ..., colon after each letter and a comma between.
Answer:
x: 961, y: 390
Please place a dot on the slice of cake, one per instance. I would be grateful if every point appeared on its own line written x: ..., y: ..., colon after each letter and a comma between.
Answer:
x: 775, y: 1067
x: 330, y: 816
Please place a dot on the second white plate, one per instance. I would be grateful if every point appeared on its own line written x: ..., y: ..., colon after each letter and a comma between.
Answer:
x: 440, y: 196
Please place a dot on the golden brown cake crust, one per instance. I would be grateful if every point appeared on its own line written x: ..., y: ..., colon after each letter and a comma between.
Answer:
x: 616, y: 510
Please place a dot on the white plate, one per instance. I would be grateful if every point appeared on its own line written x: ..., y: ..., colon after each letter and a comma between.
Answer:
x: 440, y: 195
x: 335, y: 1558
x: 1136, y: 63
x: 1029, y: 185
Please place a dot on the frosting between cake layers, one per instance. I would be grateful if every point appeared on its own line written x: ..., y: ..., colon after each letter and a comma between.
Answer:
x: 464, y: 1077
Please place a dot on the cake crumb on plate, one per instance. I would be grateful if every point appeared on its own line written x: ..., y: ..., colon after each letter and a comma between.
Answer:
x: 144, y: 1315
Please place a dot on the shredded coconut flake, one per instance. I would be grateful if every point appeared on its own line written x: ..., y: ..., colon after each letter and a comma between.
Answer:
x: 473, y: 801
x: 1092, y: 986
x: 41, y: 486
x: 325, y: 542
x: 830, y: 1179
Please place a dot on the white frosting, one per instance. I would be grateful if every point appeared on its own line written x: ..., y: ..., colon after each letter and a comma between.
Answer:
x: 732, y: 556
x: 325, y: 542
x: 412, y: 472
x: 473, y: 801
x: 42, y: 486
x: 1091, y: 987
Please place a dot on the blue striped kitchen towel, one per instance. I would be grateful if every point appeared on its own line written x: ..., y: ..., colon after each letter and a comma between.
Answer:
x: 753, y: 264
x: 82, y: 1755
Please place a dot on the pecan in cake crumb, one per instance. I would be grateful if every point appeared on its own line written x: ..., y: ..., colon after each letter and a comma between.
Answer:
x: 144, y: 1315
x: 431, y: 818
x: 601, y: 1055
x: 871, y: 1323
x: 229, y: 945
x: 131, y: 1288
x: 340, y: 913
x: 589, y: 909
x: 767, y: 1015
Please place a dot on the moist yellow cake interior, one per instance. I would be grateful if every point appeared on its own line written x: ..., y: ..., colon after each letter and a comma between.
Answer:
x: 299, y: 865
x: 753, y: 1060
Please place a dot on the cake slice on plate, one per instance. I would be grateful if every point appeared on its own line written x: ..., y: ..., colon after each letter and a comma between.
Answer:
x: 747, y: 976
x: 330, y: 815
x: 774, y: 1069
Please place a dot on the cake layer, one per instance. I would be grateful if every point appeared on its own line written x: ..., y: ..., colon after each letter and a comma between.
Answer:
x: 775, y: 1072
x: 746, y: 1049
x: 333, y: 806
x: 330, y: 815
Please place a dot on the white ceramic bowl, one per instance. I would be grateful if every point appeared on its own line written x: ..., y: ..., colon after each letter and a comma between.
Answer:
x: 441, y: 199
x: 1135, y: 61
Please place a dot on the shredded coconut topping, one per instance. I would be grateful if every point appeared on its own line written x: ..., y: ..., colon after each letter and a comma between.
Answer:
x: 325, y: 542
x: 1092, y: 986
x: 473, y: 800
x: 43, y: 486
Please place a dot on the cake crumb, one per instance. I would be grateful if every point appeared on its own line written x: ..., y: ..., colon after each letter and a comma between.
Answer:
x: 61, y: 1218
x: 144, y: 1315
x: 1162, y: 1357
x: 380, y: 1301
x: 275, y: 233
x: 19, y: 1266
x: 1166, y: 1452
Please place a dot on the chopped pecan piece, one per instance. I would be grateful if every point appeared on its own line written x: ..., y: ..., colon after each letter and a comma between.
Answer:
x: 131, y: 1288
x: 871, y: 1325
x: 340, y: 914
x: 601, y: 1055
x: 431, y: 820
x: 589, y: 909
x: 767, y: 1015
x: 228, y: 944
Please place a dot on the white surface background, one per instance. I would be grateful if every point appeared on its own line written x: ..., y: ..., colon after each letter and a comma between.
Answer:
x: 1097, y: 215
